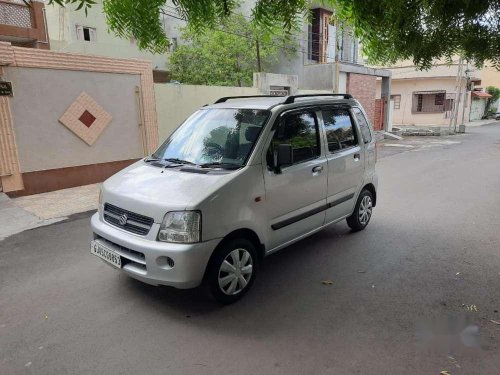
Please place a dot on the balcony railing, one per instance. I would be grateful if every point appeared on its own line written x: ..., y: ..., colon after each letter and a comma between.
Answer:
x: 15, y: 15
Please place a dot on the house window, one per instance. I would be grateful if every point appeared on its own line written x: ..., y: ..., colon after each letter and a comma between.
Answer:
x: 448, y: 105
x: 86, y: 33
x: 428, y: 101
x: 420, y: 101
x: 397, y: 101
x: 317, y: 43
x: 439, y: 99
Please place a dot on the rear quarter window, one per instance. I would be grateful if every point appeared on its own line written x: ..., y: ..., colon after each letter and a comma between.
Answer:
x: 364, y: 126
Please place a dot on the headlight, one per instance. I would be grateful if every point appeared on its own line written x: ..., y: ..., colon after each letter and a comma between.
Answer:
x: 181, y: 227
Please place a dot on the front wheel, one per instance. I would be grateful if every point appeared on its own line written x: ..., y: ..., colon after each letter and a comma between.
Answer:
x: 232, y: 270
x: 362, y: 212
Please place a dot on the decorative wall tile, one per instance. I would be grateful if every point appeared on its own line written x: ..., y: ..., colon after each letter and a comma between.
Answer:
x: 86, y: 118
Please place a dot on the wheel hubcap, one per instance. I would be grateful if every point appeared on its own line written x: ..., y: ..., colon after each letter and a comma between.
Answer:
x: 235, y: 271
x: 365, y: 210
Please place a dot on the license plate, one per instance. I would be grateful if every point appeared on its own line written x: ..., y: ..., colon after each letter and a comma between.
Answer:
x: 105, y: 253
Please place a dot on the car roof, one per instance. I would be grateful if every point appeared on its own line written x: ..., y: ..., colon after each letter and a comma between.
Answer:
x: 269, y: 102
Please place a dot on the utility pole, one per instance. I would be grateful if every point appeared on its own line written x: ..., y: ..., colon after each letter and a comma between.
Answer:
x: 458, y: 94
x: 257, y: 46
x: 466, y: 76
x: 337, y: 52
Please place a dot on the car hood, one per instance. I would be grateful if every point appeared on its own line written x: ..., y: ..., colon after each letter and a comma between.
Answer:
x: 153, y: 191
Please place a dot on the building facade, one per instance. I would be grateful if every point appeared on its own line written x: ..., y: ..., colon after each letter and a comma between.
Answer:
x: 431, y: 97
x: 72, y: 31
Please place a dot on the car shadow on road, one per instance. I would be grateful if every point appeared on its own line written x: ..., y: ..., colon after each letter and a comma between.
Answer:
x: 284, y: 284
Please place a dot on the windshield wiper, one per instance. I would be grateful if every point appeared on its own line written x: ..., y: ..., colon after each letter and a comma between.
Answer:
x: 173, y: 162
x: 221, y: 165
x: 178, y: 161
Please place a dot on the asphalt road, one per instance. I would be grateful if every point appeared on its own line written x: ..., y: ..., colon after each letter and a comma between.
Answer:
x: 417, y: 292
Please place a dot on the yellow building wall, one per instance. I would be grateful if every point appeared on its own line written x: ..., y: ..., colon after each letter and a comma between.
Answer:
x: 175, y: 103
x: 490, y: 76
x: 406, y: 88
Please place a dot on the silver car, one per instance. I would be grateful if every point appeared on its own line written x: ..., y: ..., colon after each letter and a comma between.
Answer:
x: 238, y: 180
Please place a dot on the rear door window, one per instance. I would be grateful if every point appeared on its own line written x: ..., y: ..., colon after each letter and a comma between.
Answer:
x: 340, y: 131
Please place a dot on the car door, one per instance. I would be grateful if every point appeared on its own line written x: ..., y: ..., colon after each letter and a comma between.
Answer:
x: 296, y: 194
x: 345, y: 158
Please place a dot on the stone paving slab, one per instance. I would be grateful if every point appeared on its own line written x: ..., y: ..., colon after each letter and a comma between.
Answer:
x: 61, y: 203
x: 20, y: 214
x: 14, y: 219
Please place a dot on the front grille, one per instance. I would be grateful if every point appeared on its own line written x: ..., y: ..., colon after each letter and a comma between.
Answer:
x: 134, y: 223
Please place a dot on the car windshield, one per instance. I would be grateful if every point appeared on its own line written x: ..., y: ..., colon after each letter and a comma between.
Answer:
x: 215, y: 137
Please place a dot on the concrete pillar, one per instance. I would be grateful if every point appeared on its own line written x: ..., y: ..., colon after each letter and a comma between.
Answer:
x: 385, y: 94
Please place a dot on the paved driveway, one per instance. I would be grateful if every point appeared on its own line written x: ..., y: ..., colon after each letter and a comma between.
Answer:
x: 417, y: 292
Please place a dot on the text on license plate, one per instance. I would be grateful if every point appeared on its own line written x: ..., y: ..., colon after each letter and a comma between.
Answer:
x: 104, y: 253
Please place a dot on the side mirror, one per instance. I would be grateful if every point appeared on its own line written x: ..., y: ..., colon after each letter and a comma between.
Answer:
x: 283, y: 156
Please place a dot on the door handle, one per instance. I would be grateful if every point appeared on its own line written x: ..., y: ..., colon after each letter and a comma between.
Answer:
x: 317, y: 169
x: 356, y: 157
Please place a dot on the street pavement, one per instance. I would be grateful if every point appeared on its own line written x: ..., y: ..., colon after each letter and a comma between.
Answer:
x: 417, y: 292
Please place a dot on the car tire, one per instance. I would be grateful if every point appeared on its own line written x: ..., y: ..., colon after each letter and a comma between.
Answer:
x: 362, y: 212
x: 232, y: 270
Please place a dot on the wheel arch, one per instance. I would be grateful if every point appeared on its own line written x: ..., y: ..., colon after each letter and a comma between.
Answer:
x: 371, y: 188
x: 238, y: 233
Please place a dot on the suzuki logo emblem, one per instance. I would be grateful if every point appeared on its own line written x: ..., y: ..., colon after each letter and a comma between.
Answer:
x: 123, y: 219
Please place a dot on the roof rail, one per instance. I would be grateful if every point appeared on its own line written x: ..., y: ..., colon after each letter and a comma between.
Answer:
x: 291, y: 99
x: 226, y: 98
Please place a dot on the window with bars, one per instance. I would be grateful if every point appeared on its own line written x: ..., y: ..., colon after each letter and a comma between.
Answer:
x: 439, y: 99
x: 397, y: 101
x: 428, y: 101
x: 318, y: 38
x: 448, y: 105
x: 18, y: 15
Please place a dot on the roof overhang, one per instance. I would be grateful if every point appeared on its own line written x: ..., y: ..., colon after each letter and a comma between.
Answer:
x: 480, y: 94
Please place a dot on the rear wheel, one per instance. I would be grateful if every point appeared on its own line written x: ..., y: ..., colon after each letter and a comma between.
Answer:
x: 362, y: 212
x: 232, y: 270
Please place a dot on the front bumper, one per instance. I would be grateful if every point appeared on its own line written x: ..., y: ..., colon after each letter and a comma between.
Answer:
x: 190, y: 260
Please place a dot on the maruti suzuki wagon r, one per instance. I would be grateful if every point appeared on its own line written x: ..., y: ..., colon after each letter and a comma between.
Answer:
x: 238, y: 180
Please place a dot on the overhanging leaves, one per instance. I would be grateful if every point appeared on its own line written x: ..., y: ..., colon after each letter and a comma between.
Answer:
x: 390, y: 30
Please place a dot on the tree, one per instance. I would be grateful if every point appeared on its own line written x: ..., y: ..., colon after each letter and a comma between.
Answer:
x: 227, y: 55
x: 425, y: 31
x: 390, y: 30
x: 495, y: 95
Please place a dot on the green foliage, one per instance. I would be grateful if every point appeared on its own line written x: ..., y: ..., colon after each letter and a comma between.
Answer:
x: 495, y: 95
x: 390, y: 30
x: 425, y: 30
x: 227, y: 55
x: 139, y: 19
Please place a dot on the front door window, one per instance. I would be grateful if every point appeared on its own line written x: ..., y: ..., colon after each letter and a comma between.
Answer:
x: 300, y: 130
